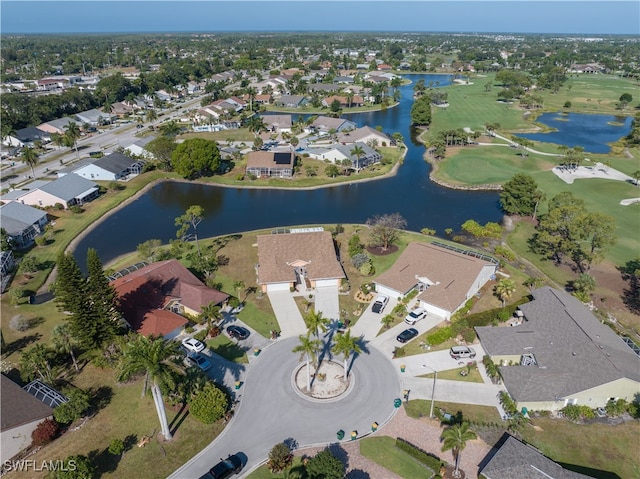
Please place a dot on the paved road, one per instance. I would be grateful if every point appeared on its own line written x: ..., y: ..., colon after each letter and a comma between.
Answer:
x: 270, y: 411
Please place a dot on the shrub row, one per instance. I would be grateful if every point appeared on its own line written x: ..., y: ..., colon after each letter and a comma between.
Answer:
x: 432, y: 461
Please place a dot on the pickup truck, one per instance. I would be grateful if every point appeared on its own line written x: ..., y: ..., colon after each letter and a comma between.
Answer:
x: 380, y: 303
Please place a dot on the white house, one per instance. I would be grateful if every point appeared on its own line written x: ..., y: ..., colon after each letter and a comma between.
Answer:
x: 68, y: 191
x: 338, y: 153
x: 22, y: 223
x: 114, y: 166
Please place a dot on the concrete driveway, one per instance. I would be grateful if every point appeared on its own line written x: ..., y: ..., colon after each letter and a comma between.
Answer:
x: 327, y: 302
x: 369, y: 323
x: 387, y: 341
x: 287, y: 313
x: 272, y: 411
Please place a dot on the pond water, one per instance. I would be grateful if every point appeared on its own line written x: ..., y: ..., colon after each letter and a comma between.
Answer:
x: 229, y: 210
x: 592, y: 132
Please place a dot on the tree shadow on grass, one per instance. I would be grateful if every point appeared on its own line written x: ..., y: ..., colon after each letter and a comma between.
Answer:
x: 20, y: 344
x: 229, y: 351
x: 178, y: 419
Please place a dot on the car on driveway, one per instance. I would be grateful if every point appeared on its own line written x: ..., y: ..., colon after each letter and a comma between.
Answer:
x: 416, y: 315
x: 379, y: 304
x: 407, y: 335
x: 225, y: 468
x: 197, y: 360
x: 192, y: 345
x: 238, y: 332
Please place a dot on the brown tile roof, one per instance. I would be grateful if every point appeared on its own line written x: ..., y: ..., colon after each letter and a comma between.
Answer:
x: 267, y: 159
x: 277, y: 252
x: 144, y: 293
x: 451, y: 273
x: 18, y: 407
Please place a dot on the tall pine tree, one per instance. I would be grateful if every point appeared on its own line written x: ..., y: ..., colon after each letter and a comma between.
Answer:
x: 103, y: 299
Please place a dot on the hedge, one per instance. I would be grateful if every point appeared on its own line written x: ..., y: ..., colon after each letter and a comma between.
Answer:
x: 440, y: 335
x: 432, y: 461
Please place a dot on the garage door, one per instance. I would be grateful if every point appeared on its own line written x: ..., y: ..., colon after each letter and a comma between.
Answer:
x: 392, y: 293
x: 278, y: 287
x: 326, y: 282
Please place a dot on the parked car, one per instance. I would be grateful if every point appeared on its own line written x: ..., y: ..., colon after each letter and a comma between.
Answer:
x: 192, y: 345
x: 225, y: 468
x: 379, y: 304
x: 458, y: 352
x: 197, y: 360
x: 407, y: 335
x: 416, y: 315
x: 238, y: 332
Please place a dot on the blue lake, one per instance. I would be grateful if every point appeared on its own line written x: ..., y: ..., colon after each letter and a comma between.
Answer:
x: 230, y: 210
x: 592, y: 132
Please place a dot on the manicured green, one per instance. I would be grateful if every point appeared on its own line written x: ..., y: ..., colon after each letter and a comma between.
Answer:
x: 263, y: 472
x: 476, y: 414
x: 473, y: 375
x: 383, y: 451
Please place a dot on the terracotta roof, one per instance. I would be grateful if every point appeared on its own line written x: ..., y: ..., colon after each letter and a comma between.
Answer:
x: 278, y: 252
x: 451, y: 274
x: 18, y: 407
x: 270, y: 159
x: 144, y: 293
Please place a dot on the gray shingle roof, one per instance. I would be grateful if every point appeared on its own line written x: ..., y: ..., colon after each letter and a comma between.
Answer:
x: 516, y: 460
x: 18, y: 407
x: 16, y: 217
x: 68, y: 187
x: 573, y: 350
x: 115, y: 162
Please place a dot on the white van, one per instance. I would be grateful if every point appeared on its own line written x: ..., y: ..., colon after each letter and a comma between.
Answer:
x: 458, y: 352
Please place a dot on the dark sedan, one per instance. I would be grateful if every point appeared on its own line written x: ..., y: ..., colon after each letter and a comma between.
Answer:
x: 225, y: 468
x: 407, y: 335
x: 238, y: 332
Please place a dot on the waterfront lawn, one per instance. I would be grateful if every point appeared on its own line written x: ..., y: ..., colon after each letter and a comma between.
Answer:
x: 127, y: 416
x: 383, y: 451
x: 610, y: 448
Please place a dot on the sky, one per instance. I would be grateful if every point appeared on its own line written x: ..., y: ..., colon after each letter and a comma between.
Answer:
x: 584, y: 17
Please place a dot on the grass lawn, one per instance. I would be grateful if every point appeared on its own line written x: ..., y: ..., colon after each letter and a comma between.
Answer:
x: 228, y: 349
x: 417, y: 408
x: 127, y: 415
x: 383, y: 451
x: 473, y: 376
x: 608, y: 448
x: 241, y: 134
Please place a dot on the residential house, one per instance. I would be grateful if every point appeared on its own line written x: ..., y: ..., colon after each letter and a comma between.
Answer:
x: 112, y: 167
x: 22, y: 223
x: 271, y: 163
x: 327, y: 123
x: 156, y: 298
x: 559, y: 353
x: 17, y: 194
x: 58, y: 126
x: 20, y: 414
x: 345, y: 80
x: 338, y: 153
x: 139, y: 148
x: 291, y: 101
x: 277, y: 123
x: 27, y: 137
x: 264, y: 99
x: 513, y: 459
x: 299, y: 259
x: 7, y: 263
x: 445, y: 277
x: 69, y: 190
x: 367, y: 135
x: 95, y: 117
x: 324, y: 87
x: 345, y: 101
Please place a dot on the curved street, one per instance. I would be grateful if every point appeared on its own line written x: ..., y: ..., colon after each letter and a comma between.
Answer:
x: 271, y: 411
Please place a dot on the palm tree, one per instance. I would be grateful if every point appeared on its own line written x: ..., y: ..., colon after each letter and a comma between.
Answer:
x: 72, y: 134
x: 358, y: 151
x: 532, y: 283
x: 251, y: 92
x: 64, y: 341
x: 316, y: 322
x: 30, y: 157
x: 211, y: 312
x: 455, y: 439
x: 636, y: 176
x: 171, y: 129
x: 309, y: 348
x: 151, y: 115
x: 345, y: 345
x: 153, y: 357
x: 58, y: 139
x: 37, y: 361
x: 504, y: 289
x: 238, y: 286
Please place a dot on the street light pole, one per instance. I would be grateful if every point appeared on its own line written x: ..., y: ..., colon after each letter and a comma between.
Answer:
x: 433, y: 392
